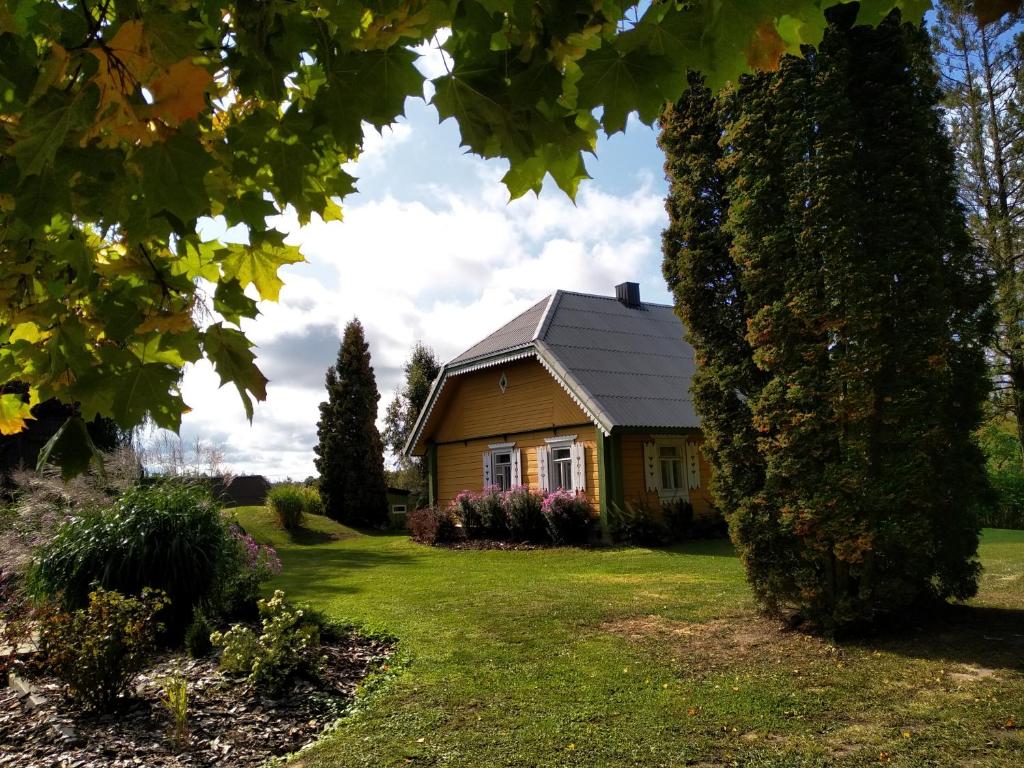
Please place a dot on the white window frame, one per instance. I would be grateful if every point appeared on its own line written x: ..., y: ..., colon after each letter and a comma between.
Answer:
x: 503, y: 449
x: 560, y: 465
x: 681, y: 492
x: 566, y: 442
x: 399, y: 509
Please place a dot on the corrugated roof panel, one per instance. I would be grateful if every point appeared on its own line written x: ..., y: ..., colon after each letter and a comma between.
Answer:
x: 515, y: 333
x: 634, y: 362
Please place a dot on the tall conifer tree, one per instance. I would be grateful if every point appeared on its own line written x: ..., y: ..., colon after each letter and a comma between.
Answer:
x: 350, y: 454
x: 839, y: 312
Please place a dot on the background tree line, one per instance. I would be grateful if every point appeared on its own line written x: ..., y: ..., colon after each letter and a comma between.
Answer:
x: 983, y: 88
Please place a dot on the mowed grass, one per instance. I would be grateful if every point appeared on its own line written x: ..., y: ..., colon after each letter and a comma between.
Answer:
x: 637, y: 657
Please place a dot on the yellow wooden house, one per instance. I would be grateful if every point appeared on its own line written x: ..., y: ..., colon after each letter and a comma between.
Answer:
x: 582, y: 392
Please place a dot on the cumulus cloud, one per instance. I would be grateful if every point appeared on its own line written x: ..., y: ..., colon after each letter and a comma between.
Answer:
x: 442, y: 263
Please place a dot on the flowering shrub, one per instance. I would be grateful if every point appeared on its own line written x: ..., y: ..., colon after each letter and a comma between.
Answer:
x: 523, y: 510
x: 432, y: 526
x: 492, y: 512
x: 248, y: 565
x: 466, y: 508
x: 570, y: 517
x: 286, y: 647
x: 262, y: 559
x: 98, y: 650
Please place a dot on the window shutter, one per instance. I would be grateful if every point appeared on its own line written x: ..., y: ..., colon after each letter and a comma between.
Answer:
x: 692, y: 465
x: 650, y: 467
x: 578, y: 454
x: 488, y: 477
x: 542, y: 468
x: 517, y: 468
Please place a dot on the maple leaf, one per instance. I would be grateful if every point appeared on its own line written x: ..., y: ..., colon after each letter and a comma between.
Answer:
x: 989, y: 11
x: 180, y: 92
x: 13, y: 413
x: 232, y: 358
x: 765, y: 48
x: 163, y: 322
x: 125, y: 63
x: 258, y: 265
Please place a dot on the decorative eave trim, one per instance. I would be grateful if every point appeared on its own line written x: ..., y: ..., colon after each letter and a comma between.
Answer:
x: 448, y: 370
x: 491, y: 360
x: 579, y: 395
x: 545, y: 357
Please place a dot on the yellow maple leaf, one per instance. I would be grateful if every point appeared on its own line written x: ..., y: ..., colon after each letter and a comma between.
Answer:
x: 179, y: 93
x: 765, y: 48
x: 125, y: 64
x: 130, y: 47
x: 14, y: 412
x: 174, y: 323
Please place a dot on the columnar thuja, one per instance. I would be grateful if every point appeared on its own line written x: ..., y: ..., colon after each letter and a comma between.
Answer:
x: 820, y: 260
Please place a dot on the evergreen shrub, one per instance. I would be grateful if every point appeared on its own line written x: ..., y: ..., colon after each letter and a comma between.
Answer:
x: 820, y: 262
x: 287, y: 646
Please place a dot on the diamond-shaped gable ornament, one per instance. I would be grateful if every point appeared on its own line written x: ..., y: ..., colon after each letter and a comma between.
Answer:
x: 503, y: 383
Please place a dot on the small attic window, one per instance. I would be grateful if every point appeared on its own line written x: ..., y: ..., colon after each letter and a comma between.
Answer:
x: 503, y: 383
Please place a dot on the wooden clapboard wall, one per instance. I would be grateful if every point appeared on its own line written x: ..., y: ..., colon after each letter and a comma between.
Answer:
x: 634, y: 475
x: 460, y: 465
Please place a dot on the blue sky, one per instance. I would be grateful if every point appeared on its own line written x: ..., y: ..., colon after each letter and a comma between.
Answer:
x: 430, y: 249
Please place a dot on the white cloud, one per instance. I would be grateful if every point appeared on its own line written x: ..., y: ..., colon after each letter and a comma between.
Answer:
x: 443, y: 266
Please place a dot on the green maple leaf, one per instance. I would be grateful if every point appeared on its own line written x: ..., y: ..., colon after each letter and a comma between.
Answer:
x: 230, y: 300
x: 44, y: 136
x: 232, y: 357
x: 149, y: 389
x: 258, y: 264
x: 622, y: 81
x: 874, y: 11
x: 71, y: 449
x: 371, y: 86
x: 565, y: 166
x: 173, y: 174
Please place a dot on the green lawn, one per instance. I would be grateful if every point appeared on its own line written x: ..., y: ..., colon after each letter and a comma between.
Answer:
x: 626, y: 657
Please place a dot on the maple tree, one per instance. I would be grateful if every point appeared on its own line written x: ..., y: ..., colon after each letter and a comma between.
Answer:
x: 125, y: 122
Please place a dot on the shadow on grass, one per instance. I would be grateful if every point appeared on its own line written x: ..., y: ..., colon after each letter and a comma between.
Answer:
x: 701, y: 547
x: 324, y: 572
x: 981, y: 636
x: 310, y: 536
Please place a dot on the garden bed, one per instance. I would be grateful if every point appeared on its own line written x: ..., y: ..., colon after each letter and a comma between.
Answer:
x: 478, y: 544
x: 230, y: 723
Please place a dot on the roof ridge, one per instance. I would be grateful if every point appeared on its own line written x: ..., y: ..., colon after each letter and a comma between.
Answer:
x: 613, y: 298
x: 549, y: 313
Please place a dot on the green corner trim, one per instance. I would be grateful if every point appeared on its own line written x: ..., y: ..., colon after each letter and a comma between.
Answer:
x: 432, y: 474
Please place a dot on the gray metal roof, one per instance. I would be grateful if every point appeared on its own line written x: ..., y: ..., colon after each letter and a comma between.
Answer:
x: 630, y: 366
x: 519, y: 331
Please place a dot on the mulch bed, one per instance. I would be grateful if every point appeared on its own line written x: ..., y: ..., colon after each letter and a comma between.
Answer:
x: 230, y: 723
x: 493, y: 544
